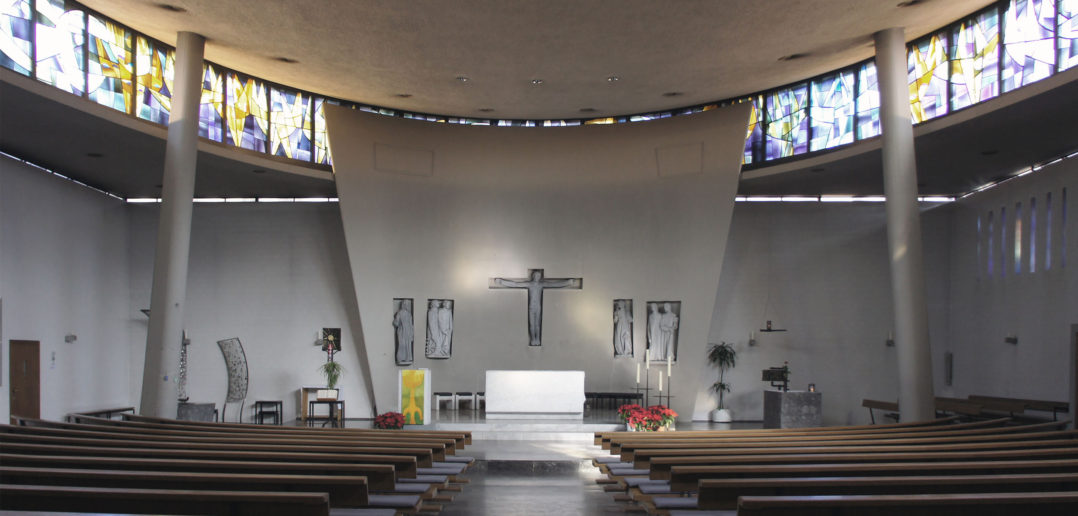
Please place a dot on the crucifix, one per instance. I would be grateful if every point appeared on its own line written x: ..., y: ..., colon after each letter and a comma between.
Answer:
x: 536, y: 283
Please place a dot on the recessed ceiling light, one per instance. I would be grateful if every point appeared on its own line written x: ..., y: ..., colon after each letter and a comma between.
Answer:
x: 587, y: 110
x: 172, y: 8
x: 403, y: 95
x: 537, y: 82
x: 94, y: 155
x: 613, y: 79
x: 462, y: 78
x: 673, y: 94
x: 486, y: 110
x: 287, y: 60
x: 908, y: 3
x: 792, y: 57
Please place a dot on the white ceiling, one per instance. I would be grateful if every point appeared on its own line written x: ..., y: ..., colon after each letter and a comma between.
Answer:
x: 372, y: 51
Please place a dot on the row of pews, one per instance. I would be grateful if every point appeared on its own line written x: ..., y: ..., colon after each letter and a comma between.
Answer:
x: 979, y: 406
x: 150, y: 465
x: 944, y: 466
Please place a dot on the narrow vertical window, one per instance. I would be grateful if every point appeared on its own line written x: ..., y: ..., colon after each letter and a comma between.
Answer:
x: 1018, y: 238
x: 1032, y: 235
x: 979, y: 236
x: 1063, y: 230
x: 1003, y: 241
x: 991, y: 250
x: 1048, y: 231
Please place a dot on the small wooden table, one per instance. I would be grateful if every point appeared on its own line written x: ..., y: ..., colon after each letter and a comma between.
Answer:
x: 336, y: 413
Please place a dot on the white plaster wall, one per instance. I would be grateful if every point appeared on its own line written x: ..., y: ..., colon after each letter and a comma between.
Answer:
x: 480, y: 202
x: 1038, y: 308
x: 272, y: 275
x: 63, y: 270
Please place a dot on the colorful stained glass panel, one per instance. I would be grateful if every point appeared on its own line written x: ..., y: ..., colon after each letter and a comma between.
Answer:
x: 787, y: 122
x: 59, y: 45
x: 1067, y: 22
x: 1029, y: 42
x: 290, y: 117
x: 975, y: 60
x: 155, y: 69
x: 868, y: 101
x: 927, y: 73
x: 110, y: 61
x: 321, y: 140
x: 832, y: 111
x: 754, y: 138
x: 246, y: 115
x: 211, y: 105
x: 15, y: 32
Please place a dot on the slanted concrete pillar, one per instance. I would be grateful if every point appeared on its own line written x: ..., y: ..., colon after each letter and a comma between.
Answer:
x: 916, y: 398
x: 159, y: 387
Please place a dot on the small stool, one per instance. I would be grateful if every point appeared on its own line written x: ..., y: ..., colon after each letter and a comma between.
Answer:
x: 463, y: 396
x: 439, y: 397
x: 272, y: 408
x: 481, y: 399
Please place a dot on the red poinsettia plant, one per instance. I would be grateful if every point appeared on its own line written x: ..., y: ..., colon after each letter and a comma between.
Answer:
x: 389, y: 420
x: 650, y: 419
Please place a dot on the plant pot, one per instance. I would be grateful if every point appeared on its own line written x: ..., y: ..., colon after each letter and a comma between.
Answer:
x: 721, y: 416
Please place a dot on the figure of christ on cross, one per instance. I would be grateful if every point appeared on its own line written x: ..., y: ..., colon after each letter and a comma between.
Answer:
x: 536, y: 283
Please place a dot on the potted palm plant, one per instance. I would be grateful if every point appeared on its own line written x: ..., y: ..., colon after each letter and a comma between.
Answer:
x: 332, y: 371
x: 724, y: 357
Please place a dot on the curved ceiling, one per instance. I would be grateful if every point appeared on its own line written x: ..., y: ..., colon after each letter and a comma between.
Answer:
x: 665, y: 54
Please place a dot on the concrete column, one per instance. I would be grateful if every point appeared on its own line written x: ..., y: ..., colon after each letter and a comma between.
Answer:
x: 915, y: 394
x: 159, y: 387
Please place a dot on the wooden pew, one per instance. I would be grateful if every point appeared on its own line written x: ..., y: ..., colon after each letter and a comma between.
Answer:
x: 686, y: 478
x: 104, y: 413
x: 872, y: 405
x: 343, y: 490
x: 161, y: 501
x: 1055, y: 407
x: 982, y: 504
x: 716, y: 494
x: 380, y: 477
x: 958, y: 406
x: 661, y: 466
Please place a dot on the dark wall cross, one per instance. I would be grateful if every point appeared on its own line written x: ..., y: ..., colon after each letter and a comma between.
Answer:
x: 536, y: 283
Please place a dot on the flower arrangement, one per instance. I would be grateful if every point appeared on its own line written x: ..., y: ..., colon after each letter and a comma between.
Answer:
x: 389, y: 420
x: 652, y: 419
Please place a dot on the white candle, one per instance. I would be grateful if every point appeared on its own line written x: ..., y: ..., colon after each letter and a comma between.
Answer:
x: 669, y: 361
x: 647, y: 360
x: 638, y: 372
x: 660, y: 381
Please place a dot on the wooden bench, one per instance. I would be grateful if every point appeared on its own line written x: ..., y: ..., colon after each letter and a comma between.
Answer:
x: 715, y: 494
x: 982, y: 504
x: 104, y: 413
x: 161, y: 501
x: 1055, y: 407
x: 890, y: 407
x: 958, y: 406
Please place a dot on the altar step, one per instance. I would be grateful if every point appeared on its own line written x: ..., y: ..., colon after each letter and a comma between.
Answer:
x: 530, y: 430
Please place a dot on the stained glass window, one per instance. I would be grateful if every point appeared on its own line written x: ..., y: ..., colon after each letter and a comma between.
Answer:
x: 154, y: 69
x: 868, y: 101
x: 755, y: 135
x: 211, y: 105
x: 1067, y: 20
x: 60, y: 38
x: 1029, y: 42
x: 245, y: 113
x: 832, y: 111
x: 927, y: 73
x: 109, y: 61
x: 290, y: 114
x: 15, y: 35
x: 975, y: 60
x: 321, y: 141
x: 787, y: 122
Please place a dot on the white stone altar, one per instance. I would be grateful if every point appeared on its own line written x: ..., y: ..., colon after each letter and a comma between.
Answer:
x: 535, y: 394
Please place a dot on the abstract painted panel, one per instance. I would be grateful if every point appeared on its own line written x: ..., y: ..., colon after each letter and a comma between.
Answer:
x: 1067, y: 23
x: 832, y: 112
x: 927, y: 73
x: 1029, y: 42
x: 211, y: 106
x: 321, y: 141
x: 868, y: 101
x: 787, y: 122
x: 290, y: 117
x: 246, y: 113
x: 154, y: 71
x: 412, y: 396
x: 15, y: 36
x: 59, y: 43
x: 110, y: 64
x: 975, y: 60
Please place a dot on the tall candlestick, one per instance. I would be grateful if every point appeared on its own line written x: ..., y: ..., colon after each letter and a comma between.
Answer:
x: 638, y: 372
x: 660, y: 383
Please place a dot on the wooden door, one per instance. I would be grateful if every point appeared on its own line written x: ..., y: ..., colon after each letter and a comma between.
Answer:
x: 25, y: 374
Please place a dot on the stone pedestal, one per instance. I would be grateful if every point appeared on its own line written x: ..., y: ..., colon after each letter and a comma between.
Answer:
x: 195, y: 411
x: 793, y: 409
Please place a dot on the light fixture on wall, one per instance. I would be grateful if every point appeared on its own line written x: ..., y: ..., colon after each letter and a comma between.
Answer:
x: 1011, y: 339
x: 70, y: 337
x: 890, y: 339
x: 752, y: 338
